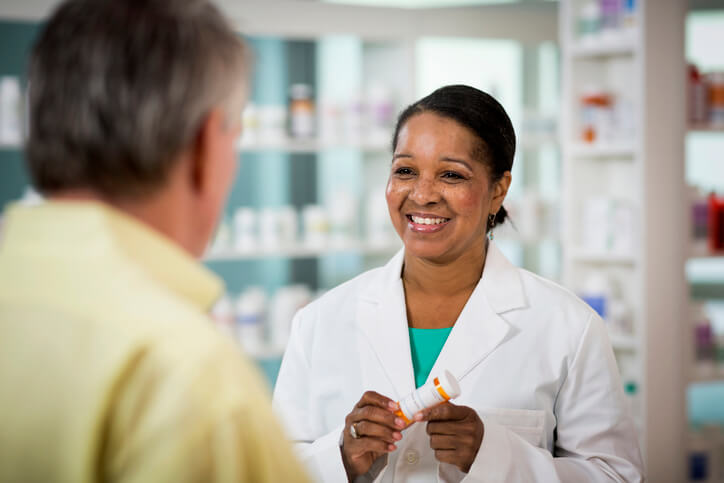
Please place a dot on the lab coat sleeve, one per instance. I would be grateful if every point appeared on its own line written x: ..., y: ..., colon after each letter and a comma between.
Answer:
x: 596, y: 440
x: 320, y: 453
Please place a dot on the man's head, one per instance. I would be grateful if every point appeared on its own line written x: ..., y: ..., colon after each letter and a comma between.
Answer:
x: 131, y: 100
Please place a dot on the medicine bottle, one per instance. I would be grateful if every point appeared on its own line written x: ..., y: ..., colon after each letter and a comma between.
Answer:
x: 301, y: 111
x: 437, y: 391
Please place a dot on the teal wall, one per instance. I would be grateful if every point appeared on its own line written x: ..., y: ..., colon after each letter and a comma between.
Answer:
x: 16, y: 39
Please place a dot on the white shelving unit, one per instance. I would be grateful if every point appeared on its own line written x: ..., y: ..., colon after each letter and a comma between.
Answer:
x: 618, y: 46
x: 603, y: 150
x: 311, y: 146
x: 594, y: 258
x: 10, y: 146
x: 303, y: 251
x: 706, y: 128
x: 706, y: 374
x: 644, y: 65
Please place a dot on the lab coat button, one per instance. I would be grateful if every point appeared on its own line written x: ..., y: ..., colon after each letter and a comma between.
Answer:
x: 412, y: 457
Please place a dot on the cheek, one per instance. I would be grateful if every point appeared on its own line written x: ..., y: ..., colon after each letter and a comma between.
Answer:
x: 393, y: 194
x: 472, y: 201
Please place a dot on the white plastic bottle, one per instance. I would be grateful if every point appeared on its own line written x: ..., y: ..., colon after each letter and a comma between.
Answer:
x: 10, y: 111
x: 437, y: 391
x: 250, y: 320
x: 245, y: 224
x: 223, y: 315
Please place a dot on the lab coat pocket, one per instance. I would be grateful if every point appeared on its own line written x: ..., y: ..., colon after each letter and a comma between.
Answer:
x: 526, y: 423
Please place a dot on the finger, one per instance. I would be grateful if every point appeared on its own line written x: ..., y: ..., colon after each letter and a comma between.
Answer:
x: 443, y: 442
x: 372, y: 398
x: 447, y: 456
x: 374, y: 430
x: 358, y: 447
x: 377, y: 415
x: 443, y: 427
x: 444, y: 412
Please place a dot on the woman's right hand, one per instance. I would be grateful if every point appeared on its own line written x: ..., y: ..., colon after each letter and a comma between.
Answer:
x: 377, y: 428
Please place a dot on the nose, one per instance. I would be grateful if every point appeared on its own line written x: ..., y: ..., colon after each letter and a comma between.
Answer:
x: 425, y: 191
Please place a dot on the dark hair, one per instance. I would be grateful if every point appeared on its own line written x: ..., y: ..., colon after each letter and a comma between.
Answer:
x: 118, y: 88
x: 483, y: 115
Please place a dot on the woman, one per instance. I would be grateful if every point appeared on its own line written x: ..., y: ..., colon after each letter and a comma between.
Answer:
x: 541, y: 397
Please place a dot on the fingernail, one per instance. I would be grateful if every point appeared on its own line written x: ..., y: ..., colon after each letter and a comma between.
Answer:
x: 418, y: 417
x: 393, y: 405
x: 399, y: 423
x: 397, y: 436
x: 391, y: 447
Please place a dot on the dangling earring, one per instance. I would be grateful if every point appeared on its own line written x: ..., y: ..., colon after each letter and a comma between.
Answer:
x: 491, y: 222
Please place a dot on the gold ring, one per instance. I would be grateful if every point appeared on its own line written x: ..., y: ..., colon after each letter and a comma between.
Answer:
x: 353, y: 431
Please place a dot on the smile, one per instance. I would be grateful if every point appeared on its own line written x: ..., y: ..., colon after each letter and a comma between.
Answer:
x: 426, y: 224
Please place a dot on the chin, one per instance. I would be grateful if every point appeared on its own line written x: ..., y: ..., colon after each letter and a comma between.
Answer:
x: 435, y: 252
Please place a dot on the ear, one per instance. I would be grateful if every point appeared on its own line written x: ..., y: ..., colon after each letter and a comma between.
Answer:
x: 500, y: 190
x: 205, y: 148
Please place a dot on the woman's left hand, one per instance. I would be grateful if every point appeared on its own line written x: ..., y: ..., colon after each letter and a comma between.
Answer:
x: 455, y: 433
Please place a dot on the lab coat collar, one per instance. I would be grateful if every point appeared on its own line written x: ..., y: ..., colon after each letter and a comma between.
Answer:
x: 479, y: 330
x: 383, y: 320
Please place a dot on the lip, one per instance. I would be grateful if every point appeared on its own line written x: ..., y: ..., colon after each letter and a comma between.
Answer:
x: 420, y: 228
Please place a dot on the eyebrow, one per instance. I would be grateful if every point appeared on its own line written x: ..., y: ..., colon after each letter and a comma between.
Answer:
x: 458, y: 161
x: 444, y: 158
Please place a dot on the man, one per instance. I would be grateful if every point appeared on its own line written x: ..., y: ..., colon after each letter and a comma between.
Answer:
x: 109, y: 368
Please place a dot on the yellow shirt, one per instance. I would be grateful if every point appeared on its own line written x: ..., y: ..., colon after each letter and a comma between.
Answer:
x: 109, y: 368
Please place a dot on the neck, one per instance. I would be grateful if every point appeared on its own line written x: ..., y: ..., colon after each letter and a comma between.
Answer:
x: 448, y: 278
x: 154, y: 211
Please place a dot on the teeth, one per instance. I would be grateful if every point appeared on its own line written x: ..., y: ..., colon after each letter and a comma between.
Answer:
x: 428, y: 221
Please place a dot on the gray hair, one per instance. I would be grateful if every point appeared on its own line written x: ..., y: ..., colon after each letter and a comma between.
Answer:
x: 119, y: 88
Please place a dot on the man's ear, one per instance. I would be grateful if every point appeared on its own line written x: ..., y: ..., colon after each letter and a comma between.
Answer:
x: 204, y: 150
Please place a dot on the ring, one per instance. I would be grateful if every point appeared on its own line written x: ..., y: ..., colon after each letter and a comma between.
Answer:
x: 353, y: 431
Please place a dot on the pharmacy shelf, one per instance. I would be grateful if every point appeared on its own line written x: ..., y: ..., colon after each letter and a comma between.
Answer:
x: 697, y: 128
x: 615, y: 47
x: 311, y: 146
x: 704, y: 252
x: 602, y: 258
x: 647, y: 170
x: 302, y: 251
x: 596, y: 151
x: 10, y: 147
x: 707, y: 373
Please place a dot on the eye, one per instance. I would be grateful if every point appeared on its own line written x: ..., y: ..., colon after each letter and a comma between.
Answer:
x: 452, y: 175
x: 403, y: 172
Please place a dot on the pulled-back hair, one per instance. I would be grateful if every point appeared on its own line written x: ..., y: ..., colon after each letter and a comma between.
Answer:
x: 483, y: 115
x: 118, y: 89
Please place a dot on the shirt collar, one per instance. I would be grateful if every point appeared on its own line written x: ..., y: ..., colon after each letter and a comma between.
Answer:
x: 83, y: 229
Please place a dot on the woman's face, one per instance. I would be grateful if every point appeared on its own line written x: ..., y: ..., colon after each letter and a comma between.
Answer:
x: 439, y: 196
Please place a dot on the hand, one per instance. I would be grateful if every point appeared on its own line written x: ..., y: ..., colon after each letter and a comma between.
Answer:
x: 456, y: 433
x: 378, y: 429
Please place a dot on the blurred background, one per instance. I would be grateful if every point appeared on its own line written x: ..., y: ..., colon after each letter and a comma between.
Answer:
x: 618, y: 182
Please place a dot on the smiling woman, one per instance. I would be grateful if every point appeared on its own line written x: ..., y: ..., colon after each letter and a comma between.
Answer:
x: 450, y: 174
x: 451, y: 301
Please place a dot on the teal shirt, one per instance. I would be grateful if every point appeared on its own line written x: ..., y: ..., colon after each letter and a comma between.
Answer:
x: 425, y: 345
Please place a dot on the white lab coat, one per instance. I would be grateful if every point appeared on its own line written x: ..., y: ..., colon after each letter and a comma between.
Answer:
x: 533, y: 360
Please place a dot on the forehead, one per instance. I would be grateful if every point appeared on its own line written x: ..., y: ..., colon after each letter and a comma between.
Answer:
x: 430, y: 132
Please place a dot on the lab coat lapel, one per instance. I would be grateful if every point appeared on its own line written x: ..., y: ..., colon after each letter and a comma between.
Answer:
x: 481, y: 328
x: 382, y: 318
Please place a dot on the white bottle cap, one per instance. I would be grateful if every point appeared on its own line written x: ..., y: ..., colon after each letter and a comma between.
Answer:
x: 449, y: 384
